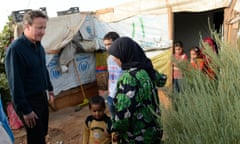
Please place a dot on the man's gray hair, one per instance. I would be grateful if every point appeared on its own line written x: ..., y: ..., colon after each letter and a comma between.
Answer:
x: 31, y: 15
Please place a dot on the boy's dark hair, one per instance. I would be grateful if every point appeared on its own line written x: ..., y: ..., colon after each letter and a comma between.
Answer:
x: 111, y: 35
x: 97, y: 100
x: 178, y: 44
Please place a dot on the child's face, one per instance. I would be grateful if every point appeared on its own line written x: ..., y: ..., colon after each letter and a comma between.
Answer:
x: 178, y: 50
x: 97, y: 111
x: 107, y: 43
x: 193, y: 54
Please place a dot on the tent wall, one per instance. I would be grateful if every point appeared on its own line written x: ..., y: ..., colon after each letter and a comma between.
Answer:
x: 161, y: 60
x: 81, y: 70
x: 150, y: 31
x: 157, y: 7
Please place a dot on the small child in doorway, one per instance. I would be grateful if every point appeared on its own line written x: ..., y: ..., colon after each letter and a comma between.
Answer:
x: 179, y: 55
x: 200, y: 62
x: 196, y: 58
x: 208, y: 60
x: 97, y: 125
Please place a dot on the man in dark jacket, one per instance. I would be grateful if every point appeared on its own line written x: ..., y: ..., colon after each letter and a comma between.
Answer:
x: 28, y: 77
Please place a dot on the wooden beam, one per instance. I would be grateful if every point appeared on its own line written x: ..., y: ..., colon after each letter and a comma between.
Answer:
x: 104, y: 11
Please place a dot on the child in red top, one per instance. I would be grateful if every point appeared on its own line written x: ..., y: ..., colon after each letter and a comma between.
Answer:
x: 196, y: 58
x: 179, y: 55
x: 212, y: 44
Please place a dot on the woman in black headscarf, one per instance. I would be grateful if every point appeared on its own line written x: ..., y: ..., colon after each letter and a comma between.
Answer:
x: 136, y: 100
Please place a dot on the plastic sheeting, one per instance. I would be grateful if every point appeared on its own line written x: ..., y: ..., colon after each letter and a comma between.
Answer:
x: 60, y: 30
x: 77, y: 29
x: 161, y: 60
x: 158, y: 7
x: 81, y: 70
x: 150, y: 31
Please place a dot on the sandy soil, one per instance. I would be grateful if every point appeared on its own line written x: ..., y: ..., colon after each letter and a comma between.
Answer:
x: 65, y: 126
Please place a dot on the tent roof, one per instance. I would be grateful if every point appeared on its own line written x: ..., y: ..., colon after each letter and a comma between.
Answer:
x: 136, y: 7
x: 60, y: 30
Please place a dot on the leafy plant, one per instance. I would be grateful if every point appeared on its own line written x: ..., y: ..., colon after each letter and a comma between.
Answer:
x: 6, y: 36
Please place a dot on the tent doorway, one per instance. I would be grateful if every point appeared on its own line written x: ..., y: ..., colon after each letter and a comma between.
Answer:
x: 189, y: 27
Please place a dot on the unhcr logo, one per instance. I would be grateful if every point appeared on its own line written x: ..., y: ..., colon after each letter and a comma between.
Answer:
x: 55, y: 74
x: 83, y: 66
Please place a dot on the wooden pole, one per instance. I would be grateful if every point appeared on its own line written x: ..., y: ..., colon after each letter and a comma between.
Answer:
x: 228, y: 28
x: 170, y: 23
x: 170, y: 36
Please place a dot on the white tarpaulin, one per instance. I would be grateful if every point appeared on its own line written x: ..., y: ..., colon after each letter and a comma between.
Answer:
x: 156, y: 7
x: 80, y: 71
x: 146, y: 21
x: 150, y: 31
x: 60, y: 30
x: 75, y: 28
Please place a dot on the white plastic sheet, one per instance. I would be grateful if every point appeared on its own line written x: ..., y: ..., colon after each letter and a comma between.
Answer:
x: 80, y: 71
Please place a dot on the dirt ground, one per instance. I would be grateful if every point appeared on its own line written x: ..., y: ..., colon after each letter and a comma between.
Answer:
x: 65, y: 126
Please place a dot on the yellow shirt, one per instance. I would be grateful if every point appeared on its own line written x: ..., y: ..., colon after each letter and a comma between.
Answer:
x: 97, y: 131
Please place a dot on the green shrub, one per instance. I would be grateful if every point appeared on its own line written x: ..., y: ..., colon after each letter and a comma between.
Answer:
x: 6, y: 37
x: 207, y: 111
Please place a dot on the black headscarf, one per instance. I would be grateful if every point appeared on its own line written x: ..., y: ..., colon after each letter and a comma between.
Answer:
x: 131, y: 55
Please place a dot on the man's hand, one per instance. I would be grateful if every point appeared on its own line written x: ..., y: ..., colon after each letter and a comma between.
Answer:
x: 30, y: 119
x: 51, y: 97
